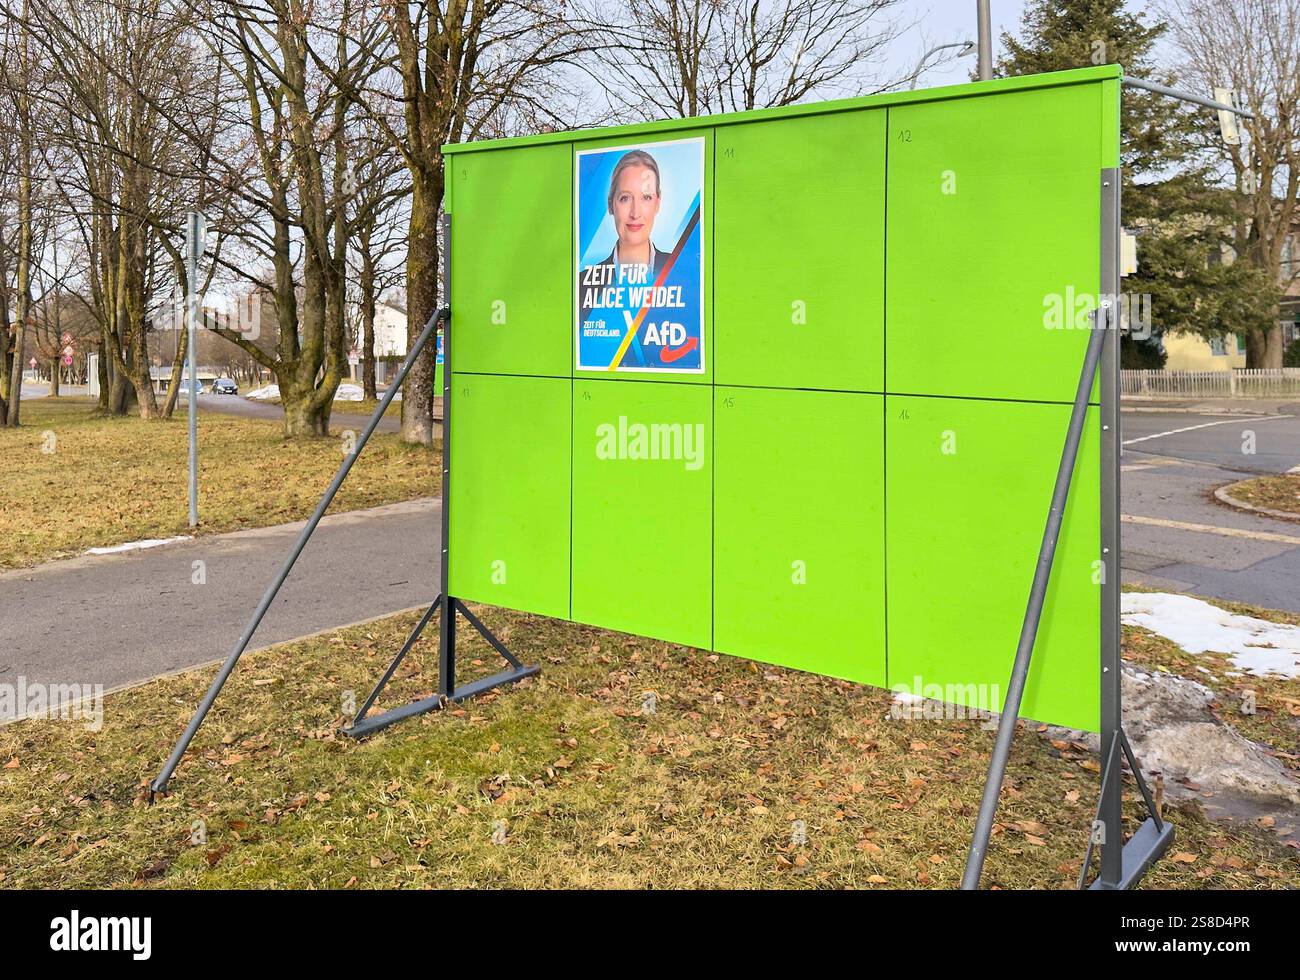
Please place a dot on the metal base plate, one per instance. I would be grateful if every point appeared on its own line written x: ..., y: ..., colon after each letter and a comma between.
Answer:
x: 1141, y: 851
x: 369, y: 726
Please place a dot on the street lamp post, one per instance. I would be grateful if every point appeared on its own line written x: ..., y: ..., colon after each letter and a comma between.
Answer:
x: 967, y: 47
x: 985, y: 35
x: 194, y: 235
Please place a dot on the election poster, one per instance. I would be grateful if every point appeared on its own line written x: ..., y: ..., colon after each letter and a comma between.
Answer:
x: 640, y: 302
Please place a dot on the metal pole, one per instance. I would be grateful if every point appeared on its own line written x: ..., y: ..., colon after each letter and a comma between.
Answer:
x: 1174, y: 93
x: 1111, y: 802
x: 967, y: 47
x: 1034, y: 609
x: 985, y: 34
x: 194, y: 246
x: 447, y: 620
x: 159, y: 785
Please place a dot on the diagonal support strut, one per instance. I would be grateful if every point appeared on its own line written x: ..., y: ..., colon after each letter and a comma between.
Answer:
x: 362, y: 726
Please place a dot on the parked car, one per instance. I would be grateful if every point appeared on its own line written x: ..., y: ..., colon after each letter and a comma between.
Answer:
x: 225, y: 386
x: 180, y: 387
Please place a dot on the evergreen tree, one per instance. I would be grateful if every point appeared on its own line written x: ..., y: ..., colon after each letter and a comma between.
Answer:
x: 1170, y: 195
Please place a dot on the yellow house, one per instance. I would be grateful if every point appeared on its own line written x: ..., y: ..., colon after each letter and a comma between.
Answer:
x: 1189, y: 352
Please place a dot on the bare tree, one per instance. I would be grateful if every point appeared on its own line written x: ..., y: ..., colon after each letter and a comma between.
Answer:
x: 119, y: 73
x: 296, y: 69
x: 1252, y: 47
x: 19, y: 71
x: 455, y: 71
x: 692, y: 57
x: 378, y: 243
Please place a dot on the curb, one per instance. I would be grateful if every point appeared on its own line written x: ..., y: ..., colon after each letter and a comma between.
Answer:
x: 1202, y: 408
x: 1223, y: 496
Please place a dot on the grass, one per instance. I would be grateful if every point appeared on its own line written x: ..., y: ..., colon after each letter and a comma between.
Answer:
x: 742, y: 776
x: 1281, y: 492
x: 74, y: 480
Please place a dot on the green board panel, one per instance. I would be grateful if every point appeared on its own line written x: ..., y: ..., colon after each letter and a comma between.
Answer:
x: 952, y: 289
x: 662, y: 238
x: 509, y: 490
x: 799, y: 573
x: 642, y: 526
x: 993, y: 224
x: 967, y: 489
x: 511, y: 240
x: 799, y: 238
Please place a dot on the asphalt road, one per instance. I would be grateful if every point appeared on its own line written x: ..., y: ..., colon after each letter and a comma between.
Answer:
x: 1223, y: 440
x: 115, y: 619
x: 41, y: 390
x: 1177, y: 536
x: 238, y: 405
x: 247, y: 408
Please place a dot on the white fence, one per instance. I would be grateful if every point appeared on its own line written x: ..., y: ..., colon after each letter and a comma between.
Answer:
x: 1237, y: 383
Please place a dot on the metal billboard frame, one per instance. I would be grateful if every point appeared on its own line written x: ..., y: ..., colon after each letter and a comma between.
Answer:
x: 1122, y: 864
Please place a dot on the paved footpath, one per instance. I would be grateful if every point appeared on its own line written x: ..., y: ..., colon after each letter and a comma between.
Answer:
x: 117, y: 619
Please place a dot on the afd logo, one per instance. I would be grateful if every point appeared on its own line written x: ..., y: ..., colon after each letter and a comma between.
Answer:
x: 102, y: 933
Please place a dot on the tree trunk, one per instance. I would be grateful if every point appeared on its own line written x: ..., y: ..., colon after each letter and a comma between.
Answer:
x: 101, y: 368
x: 422, y: 300
x: 6, y: 348
x: 55, y: 367
x: 16, y: 375
x: 23, y: 286
x: 131, y: 311
x: 301, y: 419
x: 1265, y: 347
x: 178, y: 363
x: 369, y: 388
x: 1274, y: 346
x: 368, y: 372
x: 24, y: 291
x: 121, y: 395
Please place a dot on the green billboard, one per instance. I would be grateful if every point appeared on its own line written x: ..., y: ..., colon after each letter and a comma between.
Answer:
x: 791, y: 384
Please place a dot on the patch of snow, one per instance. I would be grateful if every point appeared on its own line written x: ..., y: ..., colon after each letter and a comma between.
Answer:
x: 1174, y: 732
x: 345, y: 393
x: 1256, y: 646
x: 138, y: 545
